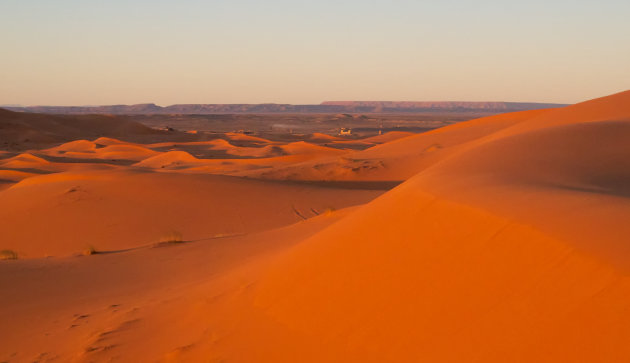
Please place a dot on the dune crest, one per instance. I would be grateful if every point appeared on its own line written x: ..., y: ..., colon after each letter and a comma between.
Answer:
x: 497, y: 253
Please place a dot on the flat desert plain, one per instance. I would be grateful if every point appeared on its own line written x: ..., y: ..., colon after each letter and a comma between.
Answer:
x: 500, y: 239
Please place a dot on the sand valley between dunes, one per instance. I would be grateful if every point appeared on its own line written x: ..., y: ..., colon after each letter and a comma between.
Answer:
x: 499, y: 239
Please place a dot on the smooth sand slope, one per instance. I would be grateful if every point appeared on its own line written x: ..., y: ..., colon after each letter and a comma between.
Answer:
x: 64, y: 213
x: 508, y: 241
x: 515, y: 250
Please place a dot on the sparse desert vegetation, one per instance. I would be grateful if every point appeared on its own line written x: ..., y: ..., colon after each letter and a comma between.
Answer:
x: 8, y: 255
x: 90, y: 250
x: 171, y: 237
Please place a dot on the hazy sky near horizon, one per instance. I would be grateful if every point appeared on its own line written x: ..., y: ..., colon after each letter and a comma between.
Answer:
x: 87, y: 52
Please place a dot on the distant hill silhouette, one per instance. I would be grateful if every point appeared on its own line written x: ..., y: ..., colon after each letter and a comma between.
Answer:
x: 18, y: 128
x: 324, y: 107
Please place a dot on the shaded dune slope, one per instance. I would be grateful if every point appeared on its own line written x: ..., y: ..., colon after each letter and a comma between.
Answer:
x: 18, y: 127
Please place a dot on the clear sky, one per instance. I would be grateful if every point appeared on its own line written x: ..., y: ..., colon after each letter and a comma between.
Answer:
x: 88, y: 52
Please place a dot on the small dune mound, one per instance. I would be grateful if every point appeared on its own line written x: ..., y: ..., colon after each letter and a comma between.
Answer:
x: 107, y: 141
x: 105, y: 148
x: 78, y: 146
x: 170, y: 159
x: 125, y: 152
x: 242, y: 137
x: 27, y: 159
x: 271, y: 151
x: 220, y: 144
x: 24, y: 161
x: 252, y: 152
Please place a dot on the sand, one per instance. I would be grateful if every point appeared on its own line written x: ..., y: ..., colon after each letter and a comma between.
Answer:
x: 506, y: 241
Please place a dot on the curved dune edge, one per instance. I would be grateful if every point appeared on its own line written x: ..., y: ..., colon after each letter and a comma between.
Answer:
x: 514, y: 249
x: 437, y: 280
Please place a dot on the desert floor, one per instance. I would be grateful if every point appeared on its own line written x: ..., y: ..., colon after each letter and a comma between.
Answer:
x: 500, y: 239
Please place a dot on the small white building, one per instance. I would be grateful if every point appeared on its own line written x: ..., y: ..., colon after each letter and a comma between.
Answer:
x: 345, y: 131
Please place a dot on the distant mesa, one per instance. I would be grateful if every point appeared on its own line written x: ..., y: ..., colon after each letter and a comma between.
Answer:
x: 335, y: 107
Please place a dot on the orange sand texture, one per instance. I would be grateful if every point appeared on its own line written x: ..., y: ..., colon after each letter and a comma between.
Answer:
x: 508, y: 240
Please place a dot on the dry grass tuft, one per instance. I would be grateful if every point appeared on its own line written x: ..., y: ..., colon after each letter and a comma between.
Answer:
x: 8, y: 255
x: 90, y: 250
x: 172, y: 237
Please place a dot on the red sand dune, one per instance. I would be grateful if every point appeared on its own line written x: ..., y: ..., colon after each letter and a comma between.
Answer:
x: 515, y: 250
x: 24, y: 161
x: 242, y: 137
x: 83, y: 149
x: 113, y: 210
x: 402, y: 158
x: 507, y: 242
x: 260, y: 158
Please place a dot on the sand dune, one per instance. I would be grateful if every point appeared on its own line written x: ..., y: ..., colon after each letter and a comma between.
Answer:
x: 515, y: 250
x: 107, y: 141
x: 267, y: 157
x: 83, y: 149
x: 242, y: 137
x: 319, y: 137
x: 401, y: 158
x: 93, y: 316
x: 506, y: 242
x: 24, y: 161
x: 112, y: 210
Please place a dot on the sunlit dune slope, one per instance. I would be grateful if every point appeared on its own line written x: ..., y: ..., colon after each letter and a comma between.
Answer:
x: 84, y: 149
x: 148, y: 304
x: 24, y: 161
x: 515, y: 250
x: 235, y: 136
x: 319, y: 137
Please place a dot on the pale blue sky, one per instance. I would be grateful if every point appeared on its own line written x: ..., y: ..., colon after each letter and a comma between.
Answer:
x: 77, y: 52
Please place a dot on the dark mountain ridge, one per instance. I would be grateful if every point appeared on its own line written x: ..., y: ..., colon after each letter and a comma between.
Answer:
x: 324, y: 107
